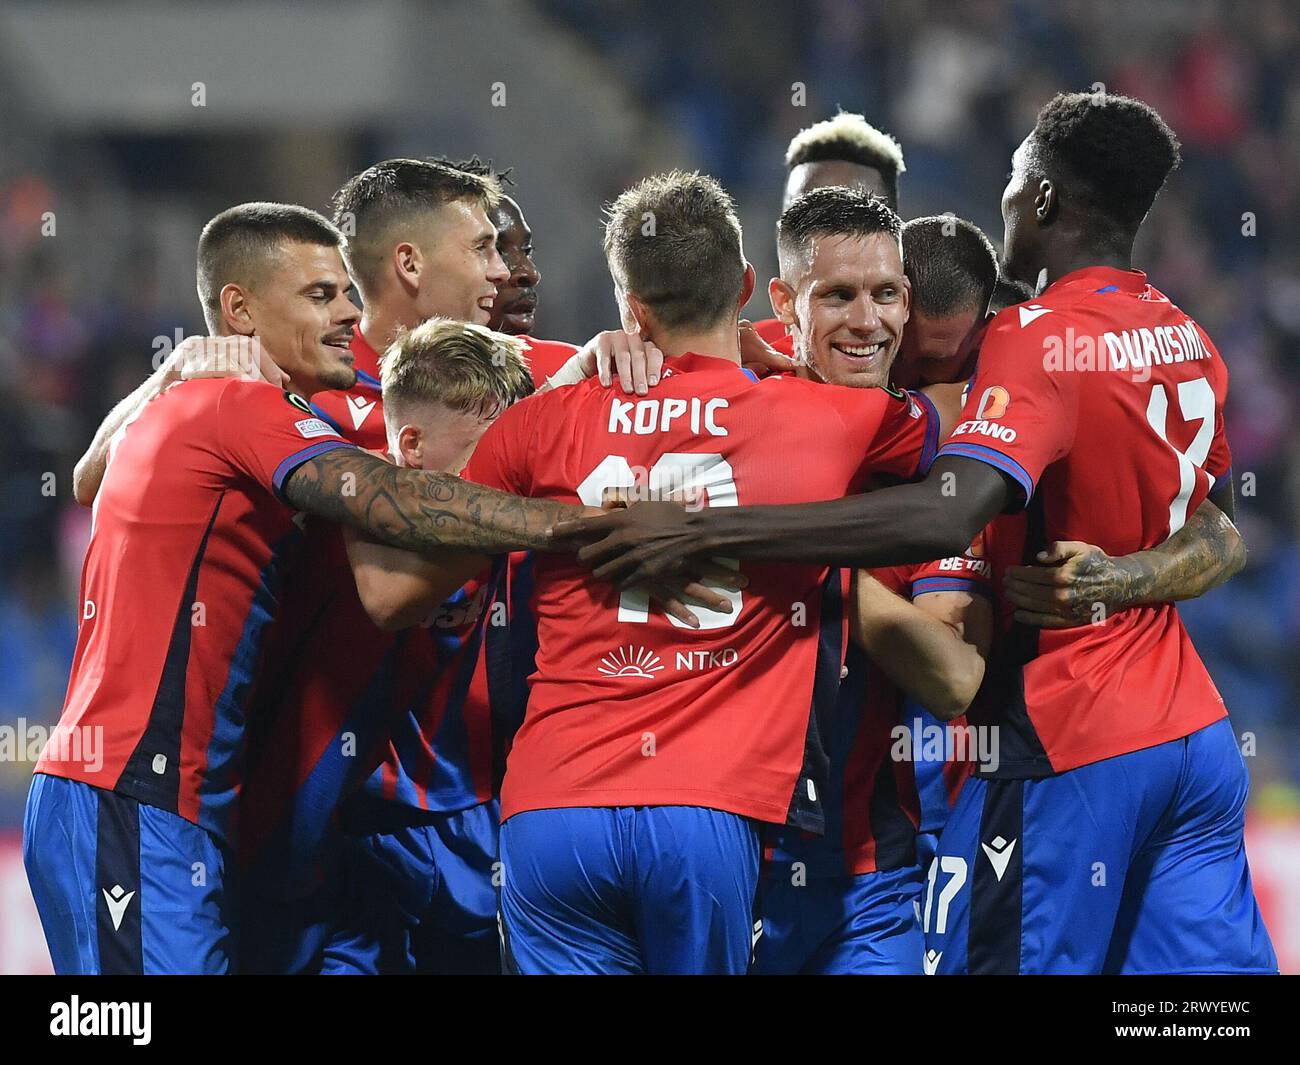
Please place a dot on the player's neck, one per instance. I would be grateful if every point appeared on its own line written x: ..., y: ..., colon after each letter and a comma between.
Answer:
x: 722, y: 343
x: 380, y: 324
x: 1070, y: 258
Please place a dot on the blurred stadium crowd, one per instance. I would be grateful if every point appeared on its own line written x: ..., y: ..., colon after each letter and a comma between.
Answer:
x: 959, y: 85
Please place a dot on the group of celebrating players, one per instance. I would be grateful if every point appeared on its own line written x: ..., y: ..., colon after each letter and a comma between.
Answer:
x: 420, y: 645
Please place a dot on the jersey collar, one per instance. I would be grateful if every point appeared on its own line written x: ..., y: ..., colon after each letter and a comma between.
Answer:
x: 691, y: 361
x: 1099, y: 279
x: 366, y: 360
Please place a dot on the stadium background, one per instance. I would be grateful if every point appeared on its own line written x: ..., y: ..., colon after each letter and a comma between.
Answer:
x: 126, y: 125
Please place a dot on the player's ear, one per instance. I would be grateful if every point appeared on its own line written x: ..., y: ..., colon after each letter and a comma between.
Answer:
x: 781, y: 293
x: 907, y: 298
x: 408, y: 263
x: 747, y: 285
x: 410, y: 446
x: 1045, y: 202
x: 235, y: 310
x: 637, y: 317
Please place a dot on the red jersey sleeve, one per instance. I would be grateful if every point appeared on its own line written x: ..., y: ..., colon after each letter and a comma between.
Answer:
x: 500, y: 460
x: 897, y: 431
x: 267, y: 434
x: 1019, y: 416
x: 968, y: 572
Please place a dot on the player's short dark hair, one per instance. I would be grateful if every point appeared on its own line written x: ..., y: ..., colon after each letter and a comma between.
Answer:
x: 951, y: 264
x: 370, y: 204
x: 832, y: 211
x: 848, y: 137
x: 481, y: 167
x: 1007, y: 292
x: 237, y: 244
x: 673, y: 240
x: 1116, y: 149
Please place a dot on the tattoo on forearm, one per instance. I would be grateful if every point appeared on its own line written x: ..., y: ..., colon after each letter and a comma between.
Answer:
x: 420, y: 510
x: 1203, y: 554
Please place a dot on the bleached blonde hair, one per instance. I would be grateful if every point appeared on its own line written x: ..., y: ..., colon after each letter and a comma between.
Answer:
x: 463, y: 366
x: 846, y: 136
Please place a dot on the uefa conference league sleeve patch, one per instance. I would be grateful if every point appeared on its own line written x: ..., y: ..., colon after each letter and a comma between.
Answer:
x: 309, y: 428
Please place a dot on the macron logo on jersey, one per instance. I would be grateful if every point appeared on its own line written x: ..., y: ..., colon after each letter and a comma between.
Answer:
x: 360, y: 409
x: 1031, y: 313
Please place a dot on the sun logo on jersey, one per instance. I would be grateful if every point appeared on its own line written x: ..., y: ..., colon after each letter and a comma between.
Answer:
x: 993, y: 404
x: 631, y: 662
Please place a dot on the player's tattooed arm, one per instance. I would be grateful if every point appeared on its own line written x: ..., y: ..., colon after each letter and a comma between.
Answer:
x: 933, y: 648
x: 1078, y: 583
x: 934, y: 518
x: 420, y: 510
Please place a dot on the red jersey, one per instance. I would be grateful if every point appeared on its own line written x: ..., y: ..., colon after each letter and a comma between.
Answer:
x: 1104, y: 403
x: 358, y: 412
x: 773, y: 331
x: 181, y: 581
x: 629, y: 707
x: 874, y: 802
x: 419, y: 718
x: 545, y: 357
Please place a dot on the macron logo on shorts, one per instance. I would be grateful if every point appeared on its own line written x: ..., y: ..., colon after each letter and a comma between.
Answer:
x: 117, y: 901
x: 999, y: 855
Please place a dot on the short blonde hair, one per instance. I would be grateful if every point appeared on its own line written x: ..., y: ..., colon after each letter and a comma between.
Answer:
x: 463, y: 366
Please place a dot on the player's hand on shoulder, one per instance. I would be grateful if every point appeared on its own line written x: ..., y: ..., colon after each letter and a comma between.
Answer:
x: 239, y: 357
x: 758, y: 356
x: 636, y: 362
x: 1074, y: 583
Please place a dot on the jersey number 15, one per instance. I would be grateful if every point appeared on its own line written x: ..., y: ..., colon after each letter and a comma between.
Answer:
x: 678, y: 476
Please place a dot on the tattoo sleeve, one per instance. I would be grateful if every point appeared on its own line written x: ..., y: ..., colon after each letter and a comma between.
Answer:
x: 420, y: 510
x: 1204, y: 553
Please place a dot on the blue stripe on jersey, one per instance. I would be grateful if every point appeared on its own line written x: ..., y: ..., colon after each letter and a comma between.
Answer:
x: 511, y: 651
x: 950, y: 584
x: 365, y: 380
x: 931, y: 788
x: 218, y: 789
x: 1225, y: 479
x: 452, y: 786
x: 295, y: 460
x: 327, y: 420
x: 931, y: 446
x: 288, y: 861
x: 995, y: 459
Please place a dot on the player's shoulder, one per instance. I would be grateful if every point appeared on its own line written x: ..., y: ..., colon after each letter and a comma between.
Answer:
x: 242, y: 399
x: 545, y: 357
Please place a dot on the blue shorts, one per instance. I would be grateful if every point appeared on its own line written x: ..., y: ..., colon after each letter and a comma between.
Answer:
x: 124, y: 888
x: 1134, y: 864
x: 839, y: 925
x: 419, y: 896
x: 286, y: 934
x: 629, y: 889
